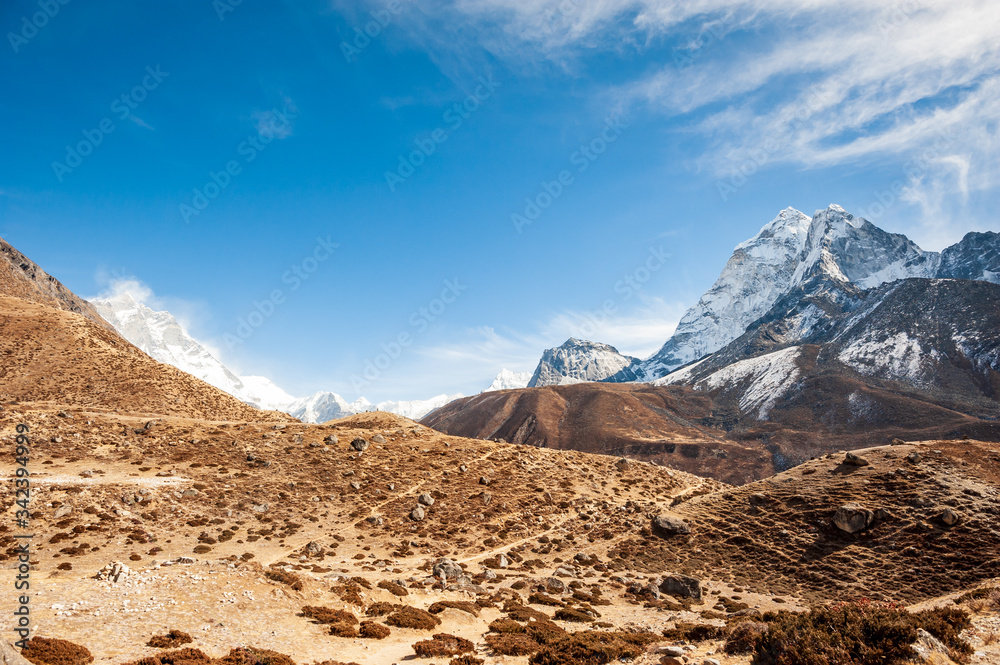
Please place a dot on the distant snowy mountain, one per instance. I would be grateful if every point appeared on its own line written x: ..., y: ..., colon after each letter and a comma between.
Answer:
x: 832, y: 246
x: 324, y: 406
x: 417, y: 409
x: 508, y: 380
x: 577, y: 361
x: 162, y: 337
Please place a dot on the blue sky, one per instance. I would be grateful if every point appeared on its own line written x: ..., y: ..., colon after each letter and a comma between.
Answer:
x: 213, y: 152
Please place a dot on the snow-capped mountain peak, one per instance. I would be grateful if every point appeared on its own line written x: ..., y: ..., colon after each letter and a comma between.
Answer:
x: 577, y: 360
x: 161, y: 336
x: 508, y: 380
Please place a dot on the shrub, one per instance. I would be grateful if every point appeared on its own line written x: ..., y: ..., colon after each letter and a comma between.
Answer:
x: 856, y: 633
x: 380, y: 609
x: 946, y: 623
x: 466, y: 660
x: 393, y: 588
x: 443, y: 644
x: 743, y: 636
x: 411, y: 617
x: 179, y: 657
x: 51, y: 651
x: 463, y: 605
x: 504, y: 625
x: 545, y: 599
x: 372, y: 630
x: 283, y: 577
x: 328, y: 615
x: 574, y: 615
x: 512, y: 644
x: 171, y: 640
x: 594, y: 648
x: 254, y: 656
x: 693, y: 632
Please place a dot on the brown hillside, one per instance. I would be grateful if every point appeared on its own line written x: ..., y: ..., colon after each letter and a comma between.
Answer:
x: 21, y: 278
x: 62, y: 359
x: 663, y: 425
x: 704, y: 432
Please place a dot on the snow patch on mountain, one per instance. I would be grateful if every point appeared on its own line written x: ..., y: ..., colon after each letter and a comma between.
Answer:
x: 324, y: 405
x: 261, y: 391
x: 508, y: 380
x: 897, y: 356
x: 770, y: 376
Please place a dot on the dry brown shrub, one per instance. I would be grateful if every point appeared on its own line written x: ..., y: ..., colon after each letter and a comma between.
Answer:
x: 286, y: 578
x: 512, y: 644
x: 466, y: 660
x: 328, y: 615
x: 463, y: 605
x: 411, y: 617
x: 186, y: 656
x: 254, y: 656
x: 171, y: 640
x: 372, y: 630
x: 594, y: 648
x: 393, y: 588
x: 380, y: 609
x: 443, y: 644
x: 51, y: 651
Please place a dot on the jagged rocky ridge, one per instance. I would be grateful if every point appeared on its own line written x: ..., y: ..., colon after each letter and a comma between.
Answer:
x: 577, y: 361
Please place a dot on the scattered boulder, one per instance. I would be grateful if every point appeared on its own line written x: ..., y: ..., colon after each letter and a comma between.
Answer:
x: 417, y: 514
x: 446, y: 569
x: 853, y: 517
x: 426, y: 499
x: 64, y: 414
x: 360, y: 445
x: 641, y: 590
x: 929, y: 649
x: 913, y: 457
x: 114, y: 572
x: 483, y: 480
x: 583, y: 558
x: 378, y: 438
x: 950, y: 517
x: 331, y: 439
x: 621, y: 464
x: 681, y: 585
x: 355, y: 486
x: 487, y: 498
x: 261, y: 508
x: 854, y: 460
x: 63, y: 510
x: 555, y: 585
x: 667, y: 526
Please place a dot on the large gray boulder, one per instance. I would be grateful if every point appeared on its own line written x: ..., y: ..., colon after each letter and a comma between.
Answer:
x: 446, y: 569
x: 853, y: 517
x: 681, y: 585
x: 666, y: 526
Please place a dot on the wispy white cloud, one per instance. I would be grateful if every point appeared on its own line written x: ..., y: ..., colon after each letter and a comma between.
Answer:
x: 811, y: 83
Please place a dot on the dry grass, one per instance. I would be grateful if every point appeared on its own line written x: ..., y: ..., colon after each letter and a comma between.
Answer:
x: 50, y: 651
x: 171, y: 640
x: 443, y: 644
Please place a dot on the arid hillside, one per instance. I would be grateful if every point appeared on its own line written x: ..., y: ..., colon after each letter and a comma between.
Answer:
x: 59, y: 358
